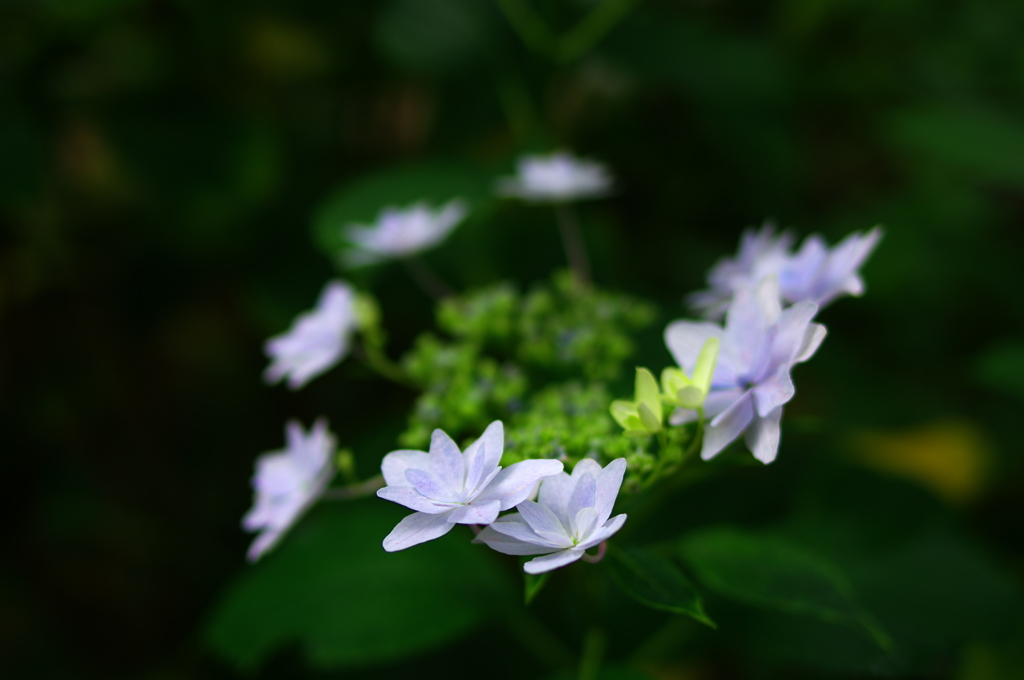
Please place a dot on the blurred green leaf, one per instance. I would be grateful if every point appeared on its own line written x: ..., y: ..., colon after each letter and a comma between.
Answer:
x: 533, y: 583
x: 1001, y: 367
x: 434, y: 36
x: 655, y: 581
x: 985, y: 143
x: 771, y: 572
x: 360, y: 201
x: 332, y: 588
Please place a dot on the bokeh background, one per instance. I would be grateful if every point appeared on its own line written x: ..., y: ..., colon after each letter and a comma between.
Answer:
x: 163, y: 164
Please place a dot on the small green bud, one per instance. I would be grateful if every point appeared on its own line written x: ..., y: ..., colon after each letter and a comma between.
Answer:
x: 346, y: 463
x: 367, y: 312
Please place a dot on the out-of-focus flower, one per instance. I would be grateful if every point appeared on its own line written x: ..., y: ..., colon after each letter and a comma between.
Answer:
x: 814, y: 273
x: 759, y: 346
x: 446, y: 487
x: 571, y: 516
x: 287, y: 482
x: 401, y: 232
x: 316, y: 341
x: 556, y: 178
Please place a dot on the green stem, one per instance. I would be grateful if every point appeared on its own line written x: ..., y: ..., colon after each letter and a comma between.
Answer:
x: 584, y: 35
x: 367, y: 488
x: 572, y: 240
x: 698, y: 435
x: 370, y: 353
x: 593, y: 649
x: 530, y: 26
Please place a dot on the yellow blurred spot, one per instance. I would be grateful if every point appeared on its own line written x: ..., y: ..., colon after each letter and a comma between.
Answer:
x: 951, y: 457
x: 285, y: 50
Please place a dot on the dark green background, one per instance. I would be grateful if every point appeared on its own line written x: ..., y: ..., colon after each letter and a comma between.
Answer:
x: 161, y: 166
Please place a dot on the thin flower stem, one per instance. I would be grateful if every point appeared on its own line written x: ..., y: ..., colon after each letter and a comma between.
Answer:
x: 594, y: 559
x: 530, y: 26
x: 425, y: 278
x: 593, y: 650
x: 371, y: 355
x: 344, y: 493
x: 584, y: 35
x: 572, y: 240
x: 475, y: 528
x: 698, y: 435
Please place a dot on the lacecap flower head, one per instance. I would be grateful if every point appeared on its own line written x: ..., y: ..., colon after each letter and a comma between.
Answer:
x: 446, y: 487
x: 556, y: 178
x: 287, y: 482
x: 317, y: 340
x: 759, y: 346
x: 814, y: 273
x: 572, y: 514
x: 401, y: 232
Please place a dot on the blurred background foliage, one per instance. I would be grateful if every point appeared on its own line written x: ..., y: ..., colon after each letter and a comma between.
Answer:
x: 166, y: 167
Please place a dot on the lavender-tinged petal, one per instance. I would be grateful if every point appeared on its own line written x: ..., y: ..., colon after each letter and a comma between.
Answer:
x: 727, y: 426
x: 813, y: 337
x: 763, y: 436
x: 415, y: 529
x: 839, y: 273
x: 513, y: 484
x: 514, y: 526
x: 583, y: 496
x: 603, y: 533
x: 541, y: 519
x: 540, y: 565
x: 483, y: 456
x: 685, y: 340
x: 413, y: 499
x: 681, y: 416
x: 475, y: 513
x: 719, y: 400
x: 773, y: 392
x: 746, y: 334
x: 428, y: 485
x: 608, y: 481
x: 396, y: 463
x: 446, y: 461
x: 586, y: 466
x: 791, y: 332
x: 558, y: 539
x: 554, y: 494
x: 769, y: 299
x: 509, y: 545
x: 264, y: 542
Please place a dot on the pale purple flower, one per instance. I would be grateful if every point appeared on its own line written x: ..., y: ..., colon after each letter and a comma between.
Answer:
x: 287, y: 482
x: 571, y: 516
x: 316, y: 341
x: 814, y: 273
x: 401, y: 232
x: 446, y: 487
x: 759, y: 346
x: 556, y: 178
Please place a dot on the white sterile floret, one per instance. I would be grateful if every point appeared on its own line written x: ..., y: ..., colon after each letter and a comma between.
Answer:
x: 446, y: 487
x: 287, y: 482
x: 401, y: 232
x: 570, y: 516
x: 555, y: 178
x: 814, y: 273
x: 317, y: 340
x: 759, y: 346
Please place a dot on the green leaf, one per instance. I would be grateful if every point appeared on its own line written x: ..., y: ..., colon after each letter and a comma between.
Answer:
x: 647, y: 394
x: 1001, y: 367
x: 332, y: 589
x: 770, y: 572
x: 653, y: 580
x: 533, y: 583
x: 362, y: 200
x: 435, y: 36
x: 705, y: 366
x: 624, y: 412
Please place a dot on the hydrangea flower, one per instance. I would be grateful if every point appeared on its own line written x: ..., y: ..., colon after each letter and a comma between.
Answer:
x: 570, y: 516
x: 401, y: 232
x: 287, y: 482
x: 814, y: 273
x: 446, y: 487
x: 556, y: 178
x: 316, y: 341
x: 759, y: 346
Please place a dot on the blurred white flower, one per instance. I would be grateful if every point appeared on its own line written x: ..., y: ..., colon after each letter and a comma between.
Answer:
x: 556, y: 178
x: 287, y: 482
x: 401, y: 232
x: 571, y: 516
x: 446, y: 487
x: 814, y: 273
x: 316, y: 341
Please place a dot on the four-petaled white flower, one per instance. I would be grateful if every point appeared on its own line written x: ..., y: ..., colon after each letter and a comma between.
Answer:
x: 446, y: 487
x: 759, y: 345
x: 556, y: 178
x: 401, y: 232
x: 287, y: 482
x: 814, y: 273
x: 570, y: 516
x: 316, y: 341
